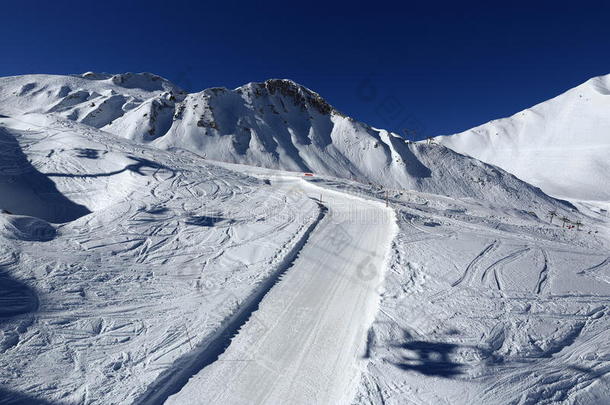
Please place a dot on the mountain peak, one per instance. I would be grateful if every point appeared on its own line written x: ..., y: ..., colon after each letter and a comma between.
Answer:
x: 601, y: 84
x: 144, y: 81
x: 299, y: 94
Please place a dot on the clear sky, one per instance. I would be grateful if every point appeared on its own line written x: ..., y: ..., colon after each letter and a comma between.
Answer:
x: 431, y: 66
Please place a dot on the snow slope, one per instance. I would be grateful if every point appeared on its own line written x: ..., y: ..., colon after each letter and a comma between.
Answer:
x: 130, y: 274
x: 561, y: 145
x: 305, y: 342
x: 136, y: 105
x: 485, y: 306
x: 94, y: 310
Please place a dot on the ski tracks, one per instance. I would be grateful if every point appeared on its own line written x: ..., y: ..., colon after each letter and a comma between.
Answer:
x: 178, y: 376
x: 498, y: 264
x: 596, y: 267
x: 544, y: 273
x: 301, y: 340
x: 493, y: 272
x: 467, y: 275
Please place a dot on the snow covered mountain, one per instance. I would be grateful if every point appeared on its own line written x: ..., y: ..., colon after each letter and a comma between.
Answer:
x: 105, y: 101
x: 276, y: 124
x: 130, y: 274
x: 561, y: 145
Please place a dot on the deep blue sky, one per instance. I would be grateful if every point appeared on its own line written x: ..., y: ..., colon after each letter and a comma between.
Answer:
x: 435, y: 67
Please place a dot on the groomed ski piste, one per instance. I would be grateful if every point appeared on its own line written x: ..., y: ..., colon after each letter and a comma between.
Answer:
x: 135, y: 275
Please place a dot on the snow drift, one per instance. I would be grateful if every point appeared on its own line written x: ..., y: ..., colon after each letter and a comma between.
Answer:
x: 25, y: 228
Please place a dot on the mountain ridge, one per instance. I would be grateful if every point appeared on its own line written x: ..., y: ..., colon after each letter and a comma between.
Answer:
x: 560, y: 145
x: 277, y: 124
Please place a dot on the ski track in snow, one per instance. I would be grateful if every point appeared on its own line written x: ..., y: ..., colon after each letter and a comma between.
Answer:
x: 467, y: 275
x: 500, y: 262
x: 515, y: 338
x: 179, y: 374
x: 544, y: 273
x: 303, y: 343
x: 596, y: 267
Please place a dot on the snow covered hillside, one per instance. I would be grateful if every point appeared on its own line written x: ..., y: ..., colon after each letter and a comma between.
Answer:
x: 276, y: 124
x: 159, y: 252
x: 561, y: 145
x: 482, y: 306
x: 97, y: 100
x: 152, y: 251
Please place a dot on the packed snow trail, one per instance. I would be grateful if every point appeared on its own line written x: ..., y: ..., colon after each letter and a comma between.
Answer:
x: 304, y: 343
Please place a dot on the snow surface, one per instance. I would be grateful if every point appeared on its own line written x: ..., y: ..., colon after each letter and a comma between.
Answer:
x: 304, y: 342
x: 561, y: 145
x: 171, y: 248
x: 135, y: 271
x: 486, y: 307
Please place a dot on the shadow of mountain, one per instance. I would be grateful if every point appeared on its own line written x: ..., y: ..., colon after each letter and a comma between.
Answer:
x: 9, y: 397
x: 413, y: 164
x: 140, y: 163
x: 26, y: 191
x: 16, y: 298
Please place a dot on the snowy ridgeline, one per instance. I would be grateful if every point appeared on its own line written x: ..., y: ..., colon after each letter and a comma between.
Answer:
x: 126, y: 269
x: 561, y: 145
x: 276, y: 124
